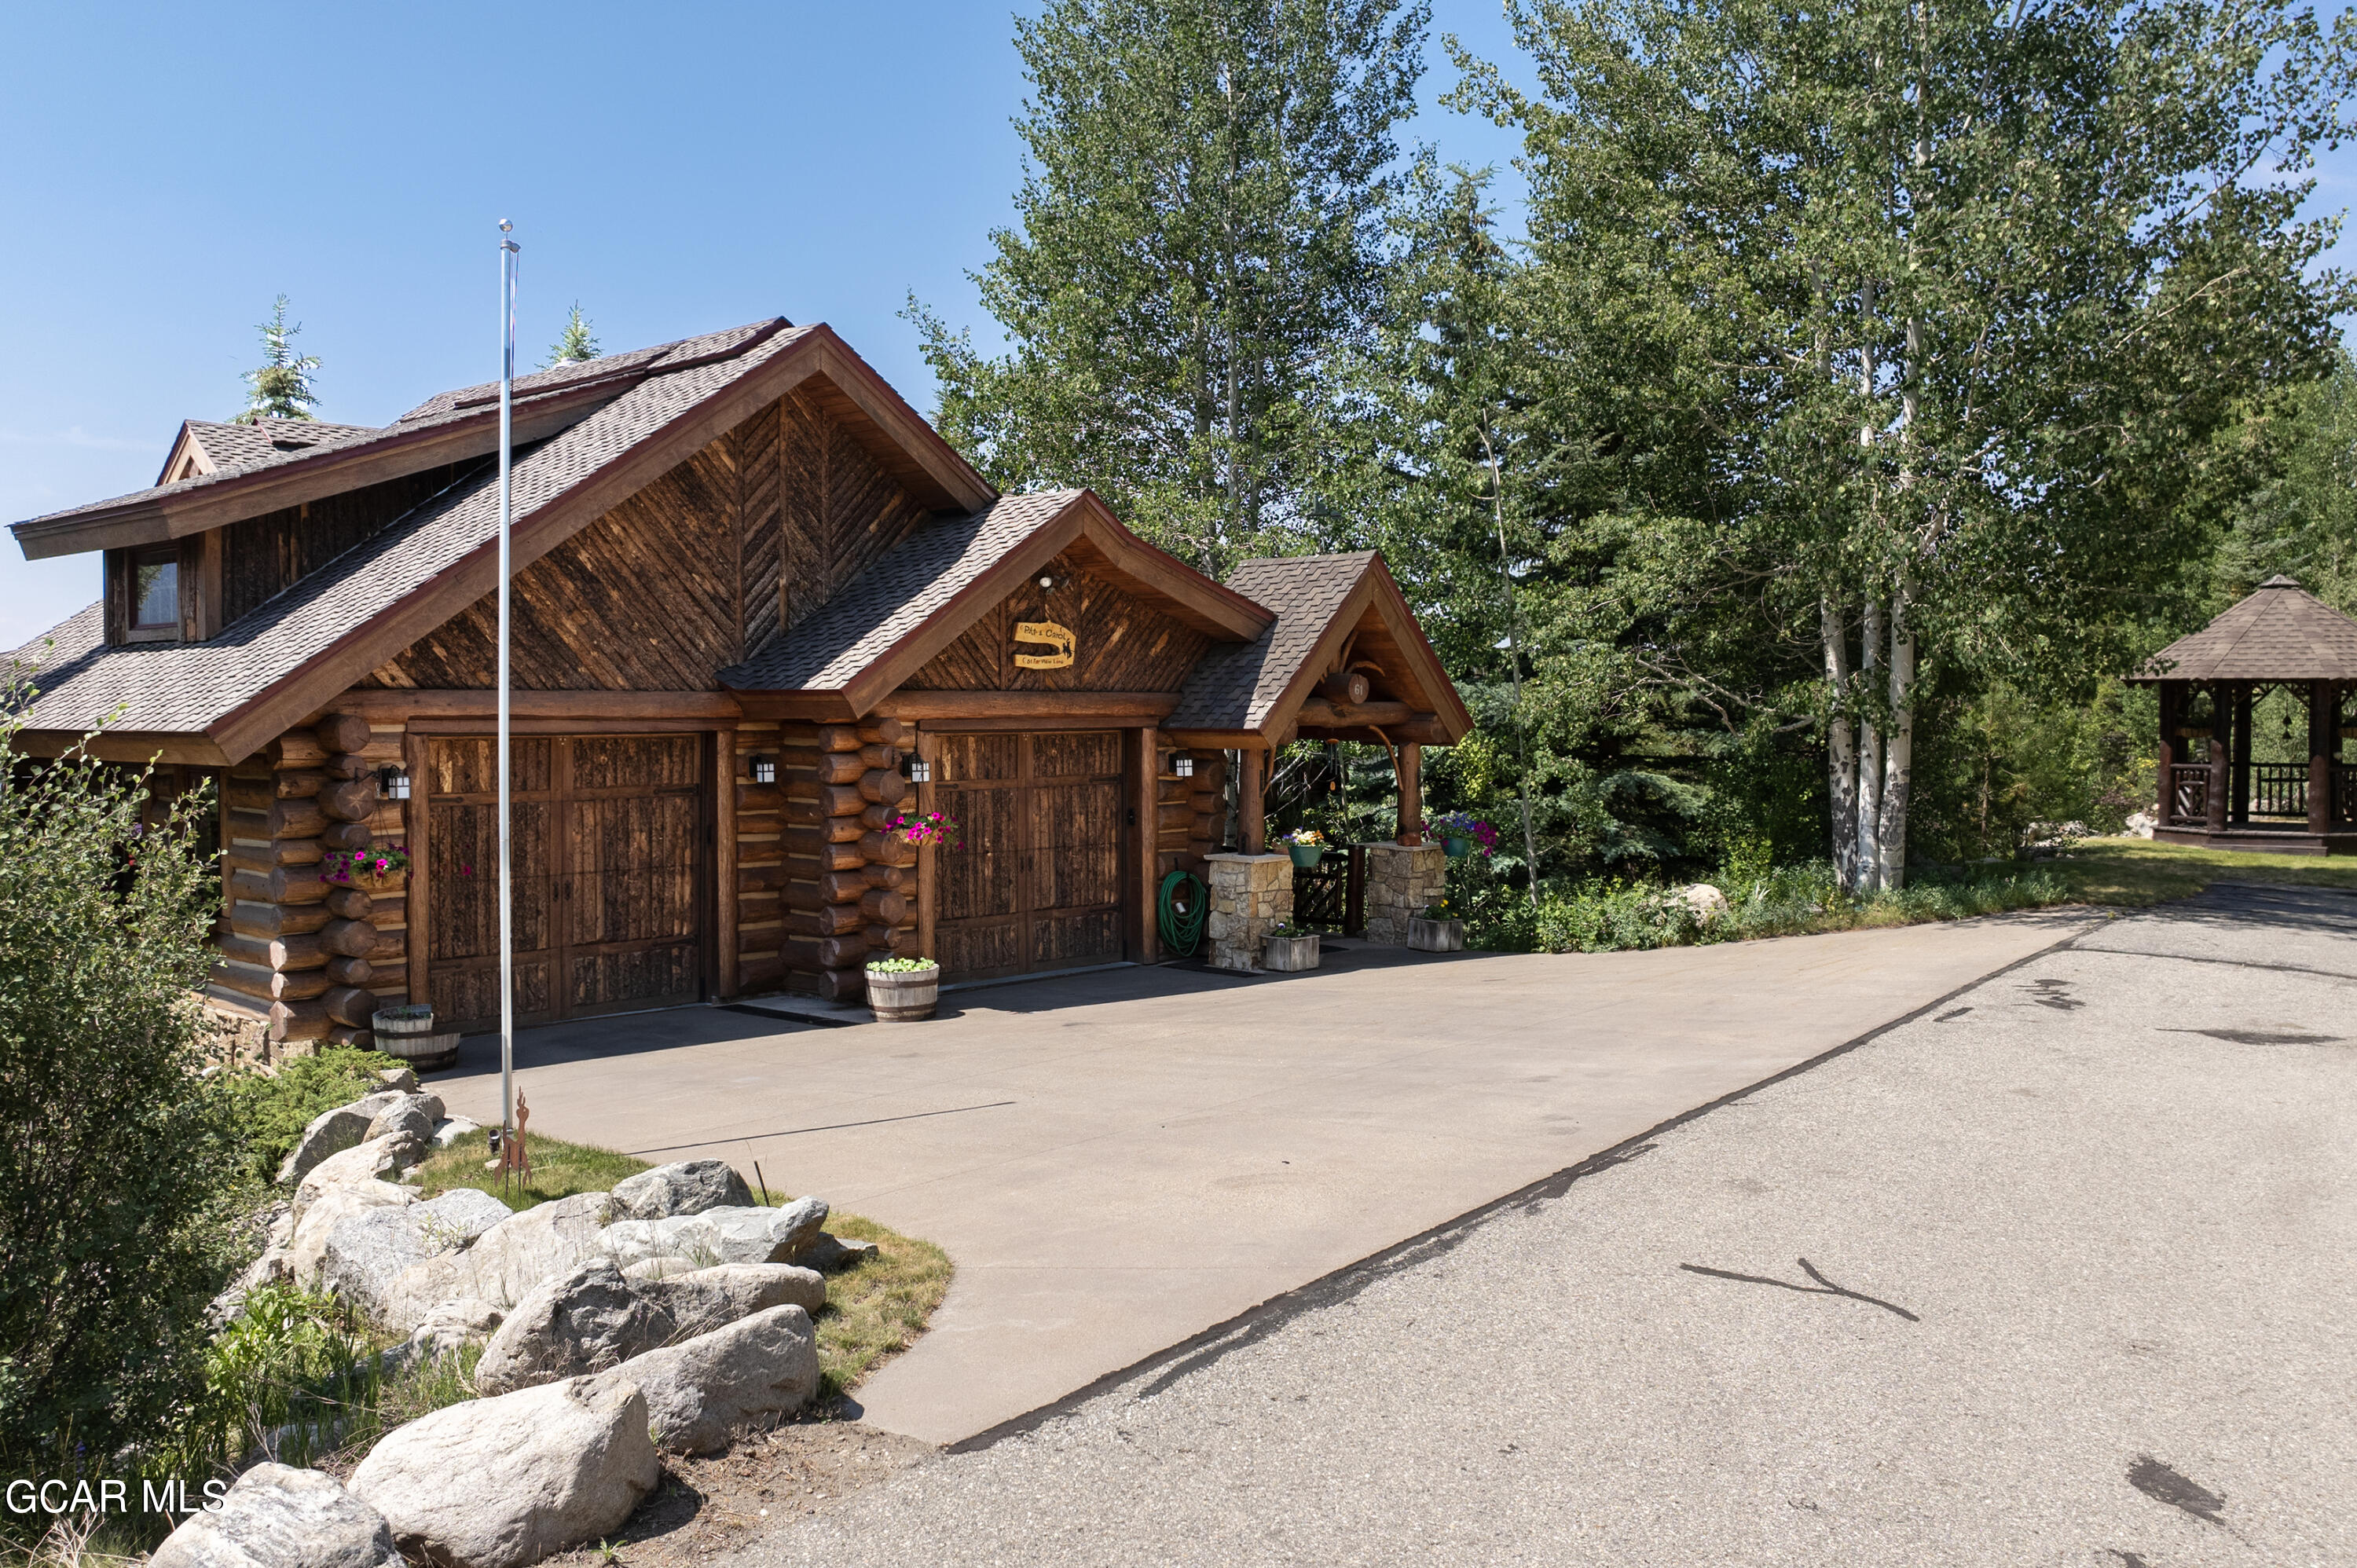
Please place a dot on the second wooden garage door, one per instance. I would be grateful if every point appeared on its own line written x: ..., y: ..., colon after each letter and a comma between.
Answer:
x: 1036, y: 883
x: 607, y: 832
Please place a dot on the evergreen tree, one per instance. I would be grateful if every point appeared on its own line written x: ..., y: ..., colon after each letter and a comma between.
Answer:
x: 1201, y: 243
x: 576, y: 342
x: 281, y: 384
x: 1936, y: 315
x: 2303, y: 521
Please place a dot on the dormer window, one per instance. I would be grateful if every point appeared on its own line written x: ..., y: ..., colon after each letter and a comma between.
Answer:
x: 155, y: 594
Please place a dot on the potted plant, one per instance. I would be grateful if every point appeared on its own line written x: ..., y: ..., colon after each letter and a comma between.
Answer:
x: 932, y: 827
x: 347, y: 866
x: 1290, y: 950
x: 1462, y: 832
x: 1436, y: 928
x: 1307, y: 846
x: 903, y: 990
x: 406, y: 1031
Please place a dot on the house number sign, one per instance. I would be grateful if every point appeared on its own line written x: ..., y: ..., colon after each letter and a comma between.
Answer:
x: 1046, y: 633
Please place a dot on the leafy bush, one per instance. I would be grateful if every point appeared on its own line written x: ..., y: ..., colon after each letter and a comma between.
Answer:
x: 117, y: 1158
x: 273, y: 1112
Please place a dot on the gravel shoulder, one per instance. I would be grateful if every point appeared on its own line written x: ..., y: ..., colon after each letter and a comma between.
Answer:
x: 2059, y: 1274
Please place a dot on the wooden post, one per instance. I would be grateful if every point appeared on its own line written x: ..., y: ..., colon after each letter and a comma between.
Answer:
x: 2222, y: 747
x: 1145, y: 841
x: 417, y: 753
x: 1411, y: 793
x: 2323, y: 741
x: 2172, y: 707
x: 928, y: 896
x: 2242, y: 752
x: 1251, y: 810
x: 723, y: 862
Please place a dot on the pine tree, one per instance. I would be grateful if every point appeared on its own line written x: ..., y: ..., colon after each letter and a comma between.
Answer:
x: 1201, y: 242
x: 282, y: 385
x: 576, y: 342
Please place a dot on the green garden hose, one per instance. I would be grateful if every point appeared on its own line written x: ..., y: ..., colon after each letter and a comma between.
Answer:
x: 1184, y: 904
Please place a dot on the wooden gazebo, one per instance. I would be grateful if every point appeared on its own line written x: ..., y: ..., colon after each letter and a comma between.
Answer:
x: 2211, y: 792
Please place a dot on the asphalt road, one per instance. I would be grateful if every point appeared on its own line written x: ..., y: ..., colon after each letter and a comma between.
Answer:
x: 2058, y: 1273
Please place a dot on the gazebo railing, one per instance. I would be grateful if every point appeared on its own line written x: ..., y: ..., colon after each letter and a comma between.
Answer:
x: 2188, y: 794
x: 2345, y: 792
x: 2279, y: 788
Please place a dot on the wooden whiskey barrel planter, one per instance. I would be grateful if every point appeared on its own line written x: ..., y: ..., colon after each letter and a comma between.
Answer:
x: 414, y: 1042
x: 907, y: 996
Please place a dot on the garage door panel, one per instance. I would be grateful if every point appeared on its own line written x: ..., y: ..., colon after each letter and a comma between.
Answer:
x: 984, y: 875
x: 981, y: 950
x: 1036, y: 882
x: 1065, y: 941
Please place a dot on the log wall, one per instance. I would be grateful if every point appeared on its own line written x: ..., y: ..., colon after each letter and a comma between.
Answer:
x: 313, y: 958
x: 820, y: 887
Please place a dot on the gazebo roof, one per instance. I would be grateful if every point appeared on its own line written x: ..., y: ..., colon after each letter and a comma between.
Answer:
x: 2282, y: 632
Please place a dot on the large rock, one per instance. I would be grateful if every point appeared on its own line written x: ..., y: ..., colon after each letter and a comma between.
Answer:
x: 415, y: 1115
x: 399, y: 1079
x: 277, y: 1517
x: 830, y: 1253
x: 505, y: 1262
x: 501, y: 1483
x: 588, y: 1319
x: 366, y: 1252
x: 690, y: 1187
x: 378, y: 1159
x: 454, y: 1130
x: 306, y: 1246
x: 721, y: 1235
x: 331, y: 1133
x: 698, y: 1303
x: 447, y: 1327
x: 699, y: 1393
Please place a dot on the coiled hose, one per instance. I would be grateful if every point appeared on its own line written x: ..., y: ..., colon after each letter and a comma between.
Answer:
x: 1184, y: 904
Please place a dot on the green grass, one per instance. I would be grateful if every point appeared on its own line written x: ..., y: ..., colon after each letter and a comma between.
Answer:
x: 2138, y: 872
x: 874, y: 1309
x: 558, y: 1170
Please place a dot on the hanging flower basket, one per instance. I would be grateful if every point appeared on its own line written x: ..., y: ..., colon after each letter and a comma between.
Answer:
x: 932, y: 828
x: 1460, y: 833
x: 1307, y: 846
x: 346, y: 867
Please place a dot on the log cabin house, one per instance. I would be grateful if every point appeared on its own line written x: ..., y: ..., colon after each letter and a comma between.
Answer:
x: 755, y: 600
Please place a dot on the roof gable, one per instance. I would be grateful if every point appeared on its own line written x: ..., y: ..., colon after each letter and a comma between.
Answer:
x: 209, y: 447
x: 2280, y: 632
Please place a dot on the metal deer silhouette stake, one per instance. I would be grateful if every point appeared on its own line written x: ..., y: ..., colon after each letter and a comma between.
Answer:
x: 514, y: 1155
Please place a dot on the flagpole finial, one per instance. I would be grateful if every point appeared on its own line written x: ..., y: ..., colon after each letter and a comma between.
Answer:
x: 505, y: 226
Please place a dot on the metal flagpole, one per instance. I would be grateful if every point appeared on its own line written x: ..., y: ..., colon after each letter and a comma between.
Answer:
x: 508, y: 252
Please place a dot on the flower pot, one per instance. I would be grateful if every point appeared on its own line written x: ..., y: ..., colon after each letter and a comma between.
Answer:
x: 1291, y: 955
x: 1457, y: 849
x: 1306, y: 856
x: 1434, y: 936
x: 904, y: 997
x: 415, y: 1042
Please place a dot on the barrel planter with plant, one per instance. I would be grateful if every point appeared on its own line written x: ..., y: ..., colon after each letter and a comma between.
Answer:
x: 408, y: 1031
x: 1436, y: 928
x: 1290, y: 950
x: 903, y: 990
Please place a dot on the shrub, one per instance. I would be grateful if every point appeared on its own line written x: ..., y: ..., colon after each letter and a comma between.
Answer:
x: 117, y: 1160
x: 273, y: 1112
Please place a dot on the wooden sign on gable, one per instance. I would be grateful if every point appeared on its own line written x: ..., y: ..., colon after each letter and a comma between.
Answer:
x: 1081, y: 633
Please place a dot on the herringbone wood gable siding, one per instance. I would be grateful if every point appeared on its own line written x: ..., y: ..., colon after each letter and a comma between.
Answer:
x: 692, y: 573
x: 1121, y: 645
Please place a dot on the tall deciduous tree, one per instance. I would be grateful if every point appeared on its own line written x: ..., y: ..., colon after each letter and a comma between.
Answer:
x: 1202, y: 241
x: 1945, y: 303
x: 2303, y: 519
x: 281, y: 385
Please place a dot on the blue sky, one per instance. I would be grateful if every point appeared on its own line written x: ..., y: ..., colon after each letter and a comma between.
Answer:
x: 168, y: 170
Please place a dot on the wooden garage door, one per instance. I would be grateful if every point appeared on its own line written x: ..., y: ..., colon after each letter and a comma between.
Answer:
x: 1036, y: 883
x: 607, y: 839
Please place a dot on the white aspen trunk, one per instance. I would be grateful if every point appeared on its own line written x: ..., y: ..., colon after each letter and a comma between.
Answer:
x: 1869, y: 851
x: 1898, y: 753
x: 1841, y: 743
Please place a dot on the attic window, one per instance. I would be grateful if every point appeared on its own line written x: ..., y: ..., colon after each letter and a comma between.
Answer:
x: 156, y: 593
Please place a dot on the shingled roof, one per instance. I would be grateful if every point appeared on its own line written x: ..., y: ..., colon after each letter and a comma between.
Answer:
x: 2282, y: 632
x: 227, y: 444
x: 875, y: 611
x: 1236, y: 686
x: 191, y: 687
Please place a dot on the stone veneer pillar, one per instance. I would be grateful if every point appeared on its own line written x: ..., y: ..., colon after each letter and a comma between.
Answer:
x: 1250, y: 893
x: 1400, y: 880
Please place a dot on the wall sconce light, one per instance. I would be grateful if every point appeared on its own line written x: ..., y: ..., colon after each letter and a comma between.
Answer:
x: 393, y: 783
x: 765, y: 769
x: 920, y: 771
x: 1183, y: 765
x: 1046, y: 582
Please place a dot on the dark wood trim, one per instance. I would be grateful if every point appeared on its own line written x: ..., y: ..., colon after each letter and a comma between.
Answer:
x: 125, y: 745
x: 416, y: 755
x: 425, y: 704
x: 1411, y: 792
x: 1215, y: 739
x: 1252, y: 807
x: 958, y: 483
x: 928, y: 896
x: 1145, y: 939
x: 723, y: 859
x: 457, y: 727
x: 1045, y: 709
x: 809, y: 707
x: 156, y: 520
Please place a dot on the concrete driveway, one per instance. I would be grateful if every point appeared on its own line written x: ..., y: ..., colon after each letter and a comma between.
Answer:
x: 1119, y: 1161
x: 2059, y: 1274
